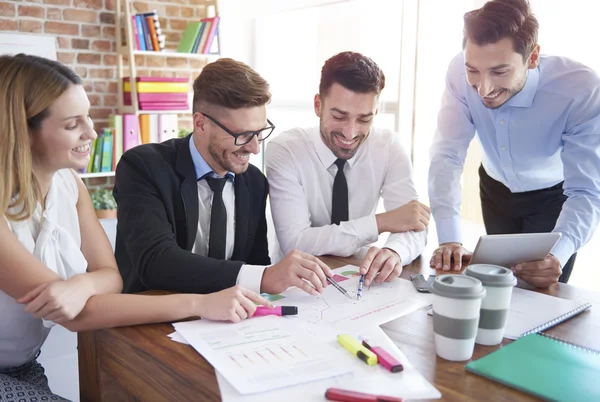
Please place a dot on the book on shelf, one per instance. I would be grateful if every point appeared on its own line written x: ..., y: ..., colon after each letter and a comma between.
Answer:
x: 199, y: 36
x: 153, y: 97
x: 125, y: 132
x: 160, y: 93
x: 147, y: 32
x: 157, y: 79
x: 158, y: 87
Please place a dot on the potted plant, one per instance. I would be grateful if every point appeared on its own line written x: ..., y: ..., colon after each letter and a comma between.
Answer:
x: 104, y: 204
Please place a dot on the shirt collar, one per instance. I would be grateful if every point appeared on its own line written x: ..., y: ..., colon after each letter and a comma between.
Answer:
x: 202, y: 168
x: 525, y: 97
x: 324, y: 153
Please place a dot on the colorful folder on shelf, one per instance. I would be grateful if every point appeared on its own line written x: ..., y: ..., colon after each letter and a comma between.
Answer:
x: 544, y: 366
x: 131, y: 131
x: 167, y: 127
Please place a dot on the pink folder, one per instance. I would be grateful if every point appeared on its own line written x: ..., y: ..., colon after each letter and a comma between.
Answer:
x: 131, y: 131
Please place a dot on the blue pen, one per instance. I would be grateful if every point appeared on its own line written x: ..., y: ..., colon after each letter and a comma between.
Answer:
x: 361, y: 282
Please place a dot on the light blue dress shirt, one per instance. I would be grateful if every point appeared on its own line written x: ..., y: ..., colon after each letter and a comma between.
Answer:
x: 250, y: 276
x: 202, y: 168
x: 547, y: 133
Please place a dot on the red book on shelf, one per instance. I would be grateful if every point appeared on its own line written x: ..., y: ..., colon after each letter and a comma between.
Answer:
x: 152, y: 97
x: 158, y: 79
x: 164, y: 106
x: 211, y: 34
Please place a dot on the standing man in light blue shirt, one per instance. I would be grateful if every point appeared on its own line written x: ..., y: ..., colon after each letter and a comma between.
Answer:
x: 537, y: 119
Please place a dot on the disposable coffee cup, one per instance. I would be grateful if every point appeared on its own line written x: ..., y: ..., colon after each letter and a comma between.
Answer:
x: 456, y: 305
x: 498, y: 282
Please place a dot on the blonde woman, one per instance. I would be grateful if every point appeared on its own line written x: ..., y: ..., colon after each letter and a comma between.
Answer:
x: 56, y: 263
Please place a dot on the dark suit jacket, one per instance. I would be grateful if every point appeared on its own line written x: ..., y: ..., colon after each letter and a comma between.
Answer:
x: 157, y: 197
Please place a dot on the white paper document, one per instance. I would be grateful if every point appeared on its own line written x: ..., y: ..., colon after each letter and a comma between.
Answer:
x: 408, y: 384
x: 378, y: 305
x: 265, y: 353
x: 176, y: 336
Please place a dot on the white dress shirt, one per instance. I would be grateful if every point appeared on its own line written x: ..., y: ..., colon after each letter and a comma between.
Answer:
x: 250, y: 276
x: 300, y: 169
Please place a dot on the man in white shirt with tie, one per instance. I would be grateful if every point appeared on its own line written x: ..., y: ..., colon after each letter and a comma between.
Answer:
x: 325, y: 182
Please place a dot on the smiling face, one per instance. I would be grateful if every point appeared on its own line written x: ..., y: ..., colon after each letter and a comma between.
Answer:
x: 63, y: 139
x: 346, y: 118
x: 218, y: 148
x: 496, y: 71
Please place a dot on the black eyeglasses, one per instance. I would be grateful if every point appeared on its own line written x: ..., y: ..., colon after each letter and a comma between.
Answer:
x: 246, y: 136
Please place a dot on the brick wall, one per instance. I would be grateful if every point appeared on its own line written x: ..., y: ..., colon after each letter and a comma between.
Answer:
x: 86, y: 41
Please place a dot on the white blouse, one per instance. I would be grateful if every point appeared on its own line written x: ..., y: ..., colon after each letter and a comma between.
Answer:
x: 53, y: 237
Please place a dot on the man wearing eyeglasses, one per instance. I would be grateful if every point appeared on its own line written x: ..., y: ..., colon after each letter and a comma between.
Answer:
x: 327, y: 181
x: 191, y: 211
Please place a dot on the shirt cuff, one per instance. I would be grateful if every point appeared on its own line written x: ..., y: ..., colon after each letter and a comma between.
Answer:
x: 250, y: 277
x: 563, y: 250
x: 401, y: 250
x: 449, y: 230
x: 368, y: 226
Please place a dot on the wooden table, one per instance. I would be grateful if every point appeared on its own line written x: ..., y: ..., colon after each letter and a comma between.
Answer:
x: 142, y: 364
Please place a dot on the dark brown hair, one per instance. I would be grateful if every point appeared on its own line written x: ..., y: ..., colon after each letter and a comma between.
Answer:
x: 229, y: 84
x: 29, y: 85
x: 353, y: 71
x: 499, y: 19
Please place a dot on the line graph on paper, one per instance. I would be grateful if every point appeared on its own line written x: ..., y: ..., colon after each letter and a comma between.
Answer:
x: 380, y: 303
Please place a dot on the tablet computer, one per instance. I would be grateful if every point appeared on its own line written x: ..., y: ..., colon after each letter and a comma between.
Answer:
x: 511, y: 249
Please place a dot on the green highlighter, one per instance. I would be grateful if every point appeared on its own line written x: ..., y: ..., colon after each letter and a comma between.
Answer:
x: 357, y: 349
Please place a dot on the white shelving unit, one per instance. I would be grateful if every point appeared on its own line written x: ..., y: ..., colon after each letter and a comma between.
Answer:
x: 124, y: 12
x: 129, y: 51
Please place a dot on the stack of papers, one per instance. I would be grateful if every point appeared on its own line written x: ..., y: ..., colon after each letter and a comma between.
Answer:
x: 265, y: 353
x: 296, y: 358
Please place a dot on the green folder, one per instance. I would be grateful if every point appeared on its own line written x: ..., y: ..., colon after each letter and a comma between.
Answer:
x: 544, y: 366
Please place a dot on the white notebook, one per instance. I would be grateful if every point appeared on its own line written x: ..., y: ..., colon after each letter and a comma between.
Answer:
x: 533, y: 312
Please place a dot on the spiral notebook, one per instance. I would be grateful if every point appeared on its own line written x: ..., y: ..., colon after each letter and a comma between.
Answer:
x: 533, y: 312
x: 544, y: 366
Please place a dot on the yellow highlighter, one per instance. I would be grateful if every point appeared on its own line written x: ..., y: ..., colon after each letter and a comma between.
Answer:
x: 357, y: 349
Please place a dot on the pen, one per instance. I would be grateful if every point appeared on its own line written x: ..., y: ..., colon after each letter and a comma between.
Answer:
x: 361, y: 282
x: 279, y: 310
x: 354, y: 347
x: 338, y: 287
x: 384, y: 358
x: 342, y: 395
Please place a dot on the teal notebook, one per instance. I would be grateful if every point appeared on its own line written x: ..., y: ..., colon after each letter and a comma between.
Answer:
x: 544, y: 366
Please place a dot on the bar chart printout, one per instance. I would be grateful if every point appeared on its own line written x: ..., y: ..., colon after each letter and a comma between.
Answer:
x: 264, y: 353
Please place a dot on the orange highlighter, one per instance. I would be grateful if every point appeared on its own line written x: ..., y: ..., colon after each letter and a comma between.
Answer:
x: 384, y: 358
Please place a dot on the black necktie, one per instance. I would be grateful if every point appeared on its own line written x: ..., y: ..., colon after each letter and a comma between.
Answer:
x: 218, y: 220
x: 339, y: 200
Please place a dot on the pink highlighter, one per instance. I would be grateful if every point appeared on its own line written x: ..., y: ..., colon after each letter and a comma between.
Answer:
x: 384, y: 358
x: 279, y: 310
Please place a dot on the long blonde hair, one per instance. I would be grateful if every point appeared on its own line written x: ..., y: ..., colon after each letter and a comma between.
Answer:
x: 28, y: 86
